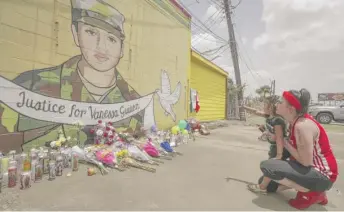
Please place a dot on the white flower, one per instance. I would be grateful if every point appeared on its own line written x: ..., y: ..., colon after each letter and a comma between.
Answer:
x: 99, y: 132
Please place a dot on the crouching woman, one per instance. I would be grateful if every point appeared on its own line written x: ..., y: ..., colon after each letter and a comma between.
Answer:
x: 312, y: 168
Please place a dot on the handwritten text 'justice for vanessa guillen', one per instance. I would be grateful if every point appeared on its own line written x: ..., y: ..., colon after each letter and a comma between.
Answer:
x: 48, y: 107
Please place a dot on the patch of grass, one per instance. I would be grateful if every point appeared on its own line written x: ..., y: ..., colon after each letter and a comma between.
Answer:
x: 333, y: 128
x: 253, y: 120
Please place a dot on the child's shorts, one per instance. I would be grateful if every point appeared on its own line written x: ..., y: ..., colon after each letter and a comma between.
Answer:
x: 273, y: 152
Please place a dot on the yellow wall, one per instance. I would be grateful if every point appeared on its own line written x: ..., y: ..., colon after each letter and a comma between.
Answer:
x: 36, y: 34
x: 210, y: 82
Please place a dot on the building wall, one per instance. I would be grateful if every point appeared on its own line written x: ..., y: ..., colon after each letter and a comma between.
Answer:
x: 210, y: 81
x: 39, y: 57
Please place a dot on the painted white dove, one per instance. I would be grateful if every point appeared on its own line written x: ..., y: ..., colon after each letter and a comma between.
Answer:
x: 168, y: 99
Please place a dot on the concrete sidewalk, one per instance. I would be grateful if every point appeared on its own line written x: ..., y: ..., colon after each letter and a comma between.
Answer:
x: 212, y: 175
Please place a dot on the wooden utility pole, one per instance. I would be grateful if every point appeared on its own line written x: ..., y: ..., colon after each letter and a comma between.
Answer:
x: 234, y: 53
x: 273, y: 88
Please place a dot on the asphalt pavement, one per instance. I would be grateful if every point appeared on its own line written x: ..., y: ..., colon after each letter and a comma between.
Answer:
x: 211, y: 175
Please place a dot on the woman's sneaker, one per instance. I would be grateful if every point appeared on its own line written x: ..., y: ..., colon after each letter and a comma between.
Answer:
x: 304, y: 200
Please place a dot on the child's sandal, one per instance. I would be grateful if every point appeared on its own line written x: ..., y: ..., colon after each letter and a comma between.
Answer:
x: 255, y: 188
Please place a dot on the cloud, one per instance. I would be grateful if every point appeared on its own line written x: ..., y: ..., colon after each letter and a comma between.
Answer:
x: 217, y: 49
x: 228, y: 68
x: 255, y: 79
x: 215, y: 17
x: 260, y: 41
x: 205, y: 42
x: 244, y: 40
x: 303, y: 44
x: 303, y: 25
x: 212, y: 9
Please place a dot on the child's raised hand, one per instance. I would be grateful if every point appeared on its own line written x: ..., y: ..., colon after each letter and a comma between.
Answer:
x: 272, y: 137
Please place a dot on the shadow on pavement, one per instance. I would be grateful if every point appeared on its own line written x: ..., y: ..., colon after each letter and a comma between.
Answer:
x: 275, y: 202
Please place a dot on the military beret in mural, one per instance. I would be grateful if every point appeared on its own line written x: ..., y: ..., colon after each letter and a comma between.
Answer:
x: 100, y: 14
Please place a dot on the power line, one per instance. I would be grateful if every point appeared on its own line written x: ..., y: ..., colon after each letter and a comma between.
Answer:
x: 247, y: 54
x: 193, y: 3
x: 211, y: 17
x: 217, y: 3
x: 216, y: 49
x: 242, y: 58
x: 206, y: 27
x: 202, y: 27
x: 218, y: 55
x: 234, y: 7
x: 202, y: 24
x: 211, y: 21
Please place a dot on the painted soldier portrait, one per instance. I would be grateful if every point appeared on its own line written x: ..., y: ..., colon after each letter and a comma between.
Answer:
x: 52, y: 99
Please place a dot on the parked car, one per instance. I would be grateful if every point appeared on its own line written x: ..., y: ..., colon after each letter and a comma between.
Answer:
x: 327, y: 114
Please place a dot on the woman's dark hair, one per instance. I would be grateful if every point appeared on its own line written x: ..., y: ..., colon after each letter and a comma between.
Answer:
x: 304, y: 98
x: 272, y: 101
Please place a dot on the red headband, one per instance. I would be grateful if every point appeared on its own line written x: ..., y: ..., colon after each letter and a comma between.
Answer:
x: 293, y: 101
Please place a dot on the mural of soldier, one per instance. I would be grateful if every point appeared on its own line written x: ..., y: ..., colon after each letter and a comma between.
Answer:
x: 91, y: 77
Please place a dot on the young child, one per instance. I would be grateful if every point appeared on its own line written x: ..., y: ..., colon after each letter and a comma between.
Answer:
x: 275, y: 130
x: 262, y: 129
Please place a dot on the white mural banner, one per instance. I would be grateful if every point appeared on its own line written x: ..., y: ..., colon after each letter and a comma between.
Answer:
x: 61, y: 111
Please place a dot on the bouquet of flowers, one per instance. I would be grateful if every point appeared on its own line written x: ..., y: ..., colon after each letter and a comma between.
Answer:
x: 137, y: 154
x: 60, y: 141
x: 104, y: 133
x: 194, y: 124
x: 163, y: 154
x: 106, y: 156
x: 89, y: 157
x: 129, y: 162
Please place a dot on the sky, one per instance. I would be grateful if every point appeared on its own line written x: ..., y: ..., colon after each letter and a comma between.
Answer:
x: 298, y: 43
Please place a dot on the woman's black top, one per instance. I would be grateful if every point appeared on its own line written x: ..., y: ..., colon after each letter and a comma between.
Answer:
x: 273, y: 121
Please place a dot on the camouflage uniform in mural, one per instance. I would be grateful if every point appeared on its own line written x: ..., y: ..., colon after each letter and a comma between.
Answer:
x: 91, y: 18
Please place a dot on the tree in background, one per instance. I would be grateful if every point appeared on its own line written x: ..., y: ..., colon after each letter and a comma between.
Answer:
x: 233, y: 107
x: 234, y: 89
x: 264, y: 91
